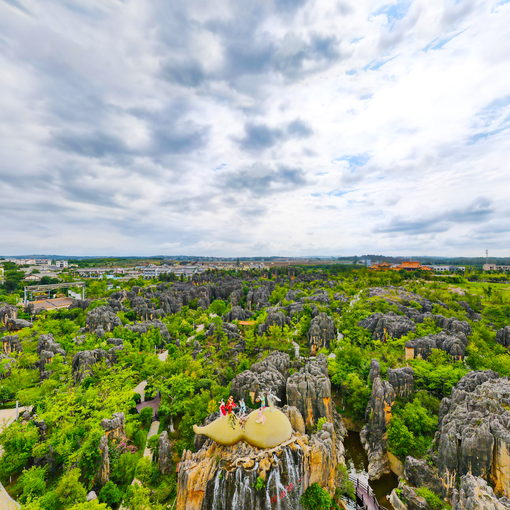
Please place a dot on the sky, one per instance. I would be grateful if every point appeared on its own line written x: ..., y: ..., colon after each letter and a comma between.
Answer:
x: 255, y: 127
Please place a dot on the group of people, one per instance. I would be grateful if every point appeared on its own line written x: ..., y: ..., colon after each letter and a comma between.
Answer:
x: 265, y: 398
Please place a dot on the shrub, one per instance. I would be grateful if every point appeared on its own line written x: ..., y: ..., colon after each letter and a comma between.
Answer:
x: 433, y: 500
x: 316, y: 498
x: 110, y: 494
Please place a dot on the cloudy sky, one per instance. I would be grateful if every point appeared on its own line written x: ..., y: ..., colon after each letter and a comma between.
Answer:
x: 255, y: 127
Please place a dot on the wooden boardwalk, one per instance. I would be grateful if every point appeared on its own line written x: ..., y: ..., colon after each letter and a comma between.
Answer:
x: 365, y: 496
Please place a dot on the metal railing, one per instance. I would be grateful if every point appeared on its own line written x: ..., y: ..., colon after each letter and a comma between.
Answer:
x: 365, y: 494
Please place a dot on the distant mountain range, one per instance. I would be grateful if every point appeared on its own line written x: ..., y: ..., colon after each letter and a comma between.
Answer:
x: 470, y: 261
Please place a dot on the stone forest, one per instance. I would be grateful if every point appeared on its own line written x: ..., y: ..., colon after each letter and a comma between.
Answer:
x: 295, y: 388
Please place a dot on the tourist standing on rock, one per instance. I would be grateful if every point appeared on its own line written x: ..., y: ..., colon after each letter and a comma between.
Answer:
x: 242, y: 407
x: 232, y: 418
x: 272, y: 399
x: 223, y: 408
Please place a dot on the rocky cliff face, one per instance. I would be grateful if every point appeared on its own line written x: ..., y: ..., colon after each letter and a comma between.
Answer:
x: 47, y: 349
x: 452, y: 344
x: 269, y: 374
x: 503, y: 336
x: 321, y: 333
x: 225, y: 477
x: 389, y: 324
x: 7, y: 313
x: 378, y: 413
x: 101, y: 320
x: 474, y: 431
x: 475, y: 494
x: 309, y: 390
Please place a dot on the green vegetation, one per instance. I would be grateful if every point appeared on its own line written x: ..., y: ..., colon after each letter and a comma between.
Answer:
x: 52, y: 462
x: 316, y: 498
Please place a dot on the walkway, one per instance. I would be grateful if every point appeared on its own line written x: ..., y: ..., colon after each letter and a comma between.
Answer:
x: 7, y: 416
x: 365, y: 496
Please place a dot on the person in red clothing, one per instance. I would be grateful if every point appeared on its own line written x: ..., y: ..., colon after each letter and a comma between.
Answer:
x: 223, y: 408
x: 232, y: 418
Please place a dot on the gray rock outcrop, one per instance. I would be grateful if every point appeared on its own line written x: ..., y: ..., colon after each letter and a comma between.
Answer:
x: 402, y: 381
x: 309, y: 390
x: 144, y: 327
x: 474, y: 431
x: 10, y: 343
x: 475, y: 494
x: 503, y: 336
x: 452, y: 344
x: 269, y: 374
x: 164, y: 453
x: 83, y: 361
x: 102, y: 320
x: 47, y: 349
x: 115, y: 426
x: 373, y: 434
x: 321, y: 333
x: 237, y: 313
x: 275, y: 317
x: 7, y: 313
x: 104, y: 464
x: 389, y: 324
x: 17, y: 324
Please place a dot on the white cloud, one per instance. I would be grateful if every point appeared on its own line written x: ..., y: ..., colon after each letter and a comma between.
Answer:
x: 124, y: 127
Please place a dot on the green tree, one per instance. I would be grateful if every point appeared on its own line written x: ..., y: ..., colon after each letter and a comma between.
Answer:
x: 69, y: 488
x: 316, y: 498
x: 32, y: 483
x: 110, y: 494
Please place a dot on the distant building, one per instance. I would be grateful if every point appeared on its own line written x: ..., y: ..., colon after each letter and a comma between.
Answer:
x: 62, y: 263
x: 410, y: 265
x: 495, y: 267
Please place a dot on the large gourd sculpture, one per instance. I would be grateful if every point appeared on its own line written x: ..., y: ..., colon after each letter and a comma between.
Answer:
x: 265, y: 429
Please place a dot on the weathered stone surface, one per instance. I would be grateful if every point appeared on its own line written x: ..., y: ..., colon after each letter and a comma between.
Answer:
x: 115, y: 426
x: 102, y: 319
x: 91, y: 496
x: 409, y: 499
x: 164, y: 453
x: 259, y: 297
x: 503, y: 336
x: 83, y: 361
x: 17, y: 324
x: 389, y: 324
x: 10, y: 343
x: 452, y: 344
x: 275, y: 317
x: 269, y: 374
x: 419, y: 473
x: 7, y: 313
x: 373, y: 434
x: 237, y: 313
x: 375, y: 370
x: 474, y: 431
x: 402, y: 381
x: 47, y: 349
x: 144, y: 327
x: 118, y: 342
x: 321, y: 333
x: 295, y: 418
x: 104, y: 466
x: 310, y: 391
x: 476, y: 494
x: 453, y: 325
